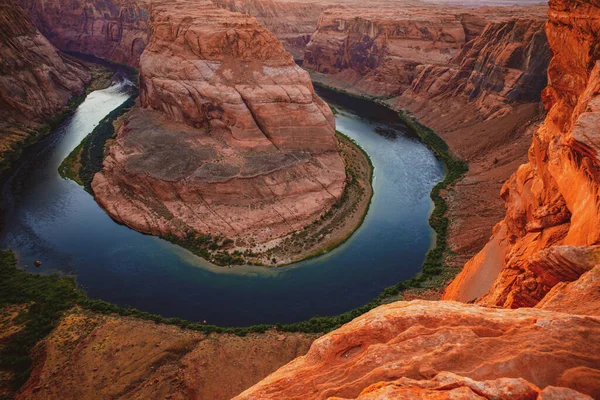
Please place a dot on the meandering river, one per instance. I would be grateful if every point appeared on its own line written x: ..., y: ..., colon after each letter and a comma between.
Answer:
x: 54, y: 220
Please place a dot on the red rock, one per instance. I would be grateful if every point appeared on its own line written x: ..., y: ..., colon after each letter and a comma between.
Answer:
x: 579, y: 297
x: 444, y: 350
x: 116, y: 30
x: 251, y: 151
x: 553, y: 199
x: 36, y: 80
x: 506, y: 64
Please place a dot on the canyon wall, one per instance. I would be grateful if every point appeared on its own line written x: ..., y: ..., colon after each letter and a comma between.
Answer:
x: 551, y: 223
x: 36, y: 80
x: 504, y: 65
x: 115, y: 30
x: 230, y: 138
x: 474, y: 75
x: 378, y: 50
x: 292, y: 22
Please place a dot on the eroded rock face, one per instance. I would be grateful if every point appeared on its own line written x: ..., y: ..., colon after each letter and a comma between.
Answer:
x: 552, y: 201
x: 390, y: 48
x: 292, y: 22
x: 36, y: 80
x: 116, y: 30
x: 380, y: 49
x: 231, y: 138
x: 442, y: 349
x: 92, y: 356
x: 506, y: 64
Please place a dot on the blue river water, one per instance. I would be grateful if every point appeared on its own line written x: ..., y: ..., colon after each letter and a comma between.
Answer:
x: 45, y: 217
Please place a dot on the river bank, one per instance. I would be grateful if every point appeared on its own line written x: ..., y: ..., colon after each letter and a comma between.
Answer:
x: 17, y: 138
x: 493, y: 147
x: 124, y: 267
x: 333, y: 228
x: 436, y: 272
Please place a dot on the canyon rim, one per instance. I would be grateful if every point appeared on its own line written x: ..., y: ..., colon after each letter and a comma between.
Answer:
x: 228, y: 144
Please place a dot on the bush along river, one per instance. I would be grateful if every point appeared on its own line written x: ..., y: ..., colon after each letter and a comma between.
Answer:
x: 53, y: 219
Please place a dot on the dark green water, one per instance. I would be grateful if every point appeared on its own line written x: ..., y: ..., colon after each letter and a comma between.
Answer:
x: 54, y: 220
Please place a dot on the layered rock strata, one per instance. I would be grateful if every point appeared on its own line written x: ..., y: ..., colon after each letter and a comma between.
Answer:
x: 550, y: 231
x: 230, y: 138
x: 292, y: 22
x: 115, y: 30
x: 36, y: 80
x: 426, y: 350
x: 383, y: 51
x: 504, y: 65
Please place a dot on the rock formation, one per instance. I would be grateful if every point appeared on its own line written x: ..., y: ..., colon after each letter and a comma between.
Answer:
x: 386, y: 50
x: 250, y: 149
x: 292, y: 22
x: 379, y: 50
x: 230, y: 138
x: 430, y: 350
x: 36, y: 80
x: 551, y: 223
x: 92, y: 356
x: 504, y: 65
x: 116, y: 30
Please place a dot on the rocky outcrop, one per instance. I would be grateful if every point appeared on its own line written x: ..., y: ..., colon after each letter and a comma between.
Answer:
x: 36, y: 80
x: 91, y: 356
x: 115, y: 30
x: 581, y: 297
x: 292, y: 22
x: 430, y: 49
x: 440, y: 350
x: 504, y: 65
x: 551, y: 225
x: 250, y: 149
x: 379, y: 50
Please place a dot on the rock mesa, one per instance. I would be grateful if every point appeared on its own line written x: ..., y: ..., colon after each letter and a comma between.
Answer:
x: 230, y: 138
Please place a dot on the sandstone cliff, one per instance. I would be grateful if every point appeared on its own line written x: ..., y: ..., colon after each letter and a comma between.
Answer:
x: 36, y: 80
x: 504, y: 65
x: 383, y: 50
x: 292, y: 22
x: 116, y: 30
x: 446, y: 350
x: 230, y: 138
x: 551, y: 223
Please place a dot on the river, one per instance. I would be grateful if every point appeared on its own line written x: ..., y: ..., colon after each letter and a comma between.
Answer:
x: 48, y: 218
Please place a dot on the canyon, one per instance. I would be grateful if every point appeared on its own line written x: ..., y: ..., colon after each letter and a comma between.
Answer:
x: 36, y: 81
x: 473, y: 72
x: 255, y: 147
x: 233, y: 114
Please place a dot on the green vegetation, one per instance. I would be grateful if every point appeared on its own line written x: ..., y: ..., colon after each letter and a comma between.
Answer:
x: 210, y: 248
x: 46, y: 297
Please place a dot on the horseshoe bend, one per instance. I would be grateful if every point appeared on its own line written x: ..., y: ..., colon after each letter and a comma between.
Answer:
x: 429, y: 168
